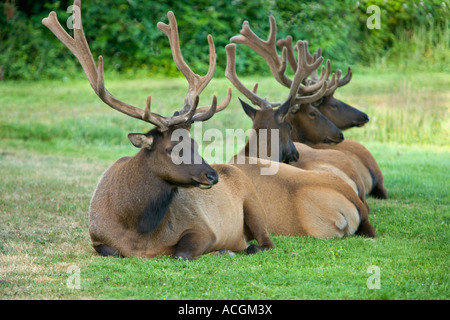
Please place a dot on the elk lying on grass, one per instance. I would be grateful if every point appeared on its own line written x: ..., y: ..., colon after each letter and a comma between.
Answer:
x: 269, y: 118
x: 301, y: 202
x: 344, y: 117
x: 143, y: 205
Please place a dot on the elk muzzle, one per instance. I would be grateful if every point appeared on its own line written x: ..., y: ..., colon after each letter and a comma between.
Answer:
x: 207, y: 179
x: 334, y: 140
x: 363, y: 120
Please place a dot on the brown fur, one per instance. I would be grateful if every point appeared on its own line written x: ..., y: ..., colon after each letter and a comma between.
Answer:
x: 310, y: 125
x: 147, y: 205
x: 340, y: 113
x: 315, y: 202
x: 315, y: 134
x: 301, y: 155
x: 303, y: 202
x: 365, y: 163
x: 331, y: 161
x: 226, y: 216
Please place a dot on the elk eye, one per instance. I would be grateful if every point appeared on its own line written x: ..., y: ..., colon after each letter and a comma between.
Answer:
x: 334, y: 106
x: 312, y: 114
x: 169, y: 150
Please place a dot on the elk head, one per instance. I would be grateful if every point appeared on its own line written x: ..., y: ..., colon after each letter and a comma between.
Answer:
x: 309, y: 125
x: 338, y: 112
x: 268, y: 117
x: 341, y: 114
x: 272, y: 120
x: 174, y: 161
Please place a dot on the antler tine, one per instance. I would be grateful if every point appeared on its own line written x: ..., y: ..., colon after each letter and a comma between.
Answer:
x: 221, y: 106
x: 333, y: 83
x: 326, y: 88
x: 302, y: 72
x: 123, y: 107
x: 287, y: 43
x: 314, y: 97
x: 311, y: 58
x: 207, y: 114
x: 196, y: 82
x: 304, y: 68
x: 316, y: 83
x: 230, y: 73
x: 347, y: 78
x: 79, y: 47
x: 266, y: 49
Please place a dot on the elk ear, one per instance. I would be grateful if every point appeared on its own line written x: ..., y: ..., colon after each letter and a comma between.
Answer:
x: 251, y: 112
x: 282, y: 111
x: 140, y: 140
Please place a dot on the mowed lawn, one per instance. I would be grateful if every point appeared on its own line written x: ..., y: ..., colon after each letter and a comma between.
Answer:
x: 57, y: 137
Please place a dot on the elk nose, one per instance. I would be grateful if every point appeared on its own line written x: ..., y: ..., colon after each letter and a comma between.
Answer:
x: 366, y: 118
x: 212, y: 177
x: 341, y: 137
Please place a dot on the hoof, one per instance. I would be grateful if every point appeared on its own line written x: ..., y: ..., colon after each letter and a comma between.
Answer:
x: 107, y: 251
x: 252, y: 249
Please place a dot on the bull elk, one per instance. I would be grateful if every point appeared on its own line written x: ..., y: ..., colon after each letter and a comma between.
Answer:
x: 344, y: 117
x: 146, y: 205
x: 267, y: 117
x: 270, y: 119
x: 302, y: 202
x: 338, y: 112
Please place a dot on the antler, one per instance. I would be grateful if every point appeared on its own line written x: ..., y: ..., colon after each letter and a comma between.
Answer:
x: 79, y: 47
x: 267, y: 49
x: 196, y: 82
x: 300, y: 74
x: 334, y: 83
x: 347, y: 78
x: 230, y: 73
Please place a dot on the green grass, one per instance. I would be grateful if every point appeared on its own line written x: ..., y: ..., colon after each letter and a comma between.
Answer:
x: 57, y: 139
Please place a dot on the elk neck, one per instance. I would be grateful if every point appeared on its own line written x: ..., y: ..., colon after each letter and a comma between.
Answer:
x: 297, y: 135
x: 256, y: 140
x: 156, y: 193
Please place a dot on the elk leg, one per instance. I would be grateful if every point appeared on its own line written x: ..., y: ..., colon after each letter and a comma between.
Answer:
x: 106, y: 251
x: 366, y: 229
x: 192, y: 245
x: 254, y: 220
x: 379, y: 192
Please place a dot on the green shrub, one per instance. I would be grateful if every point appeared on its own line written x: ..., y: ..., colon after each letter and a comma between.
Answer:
x: 413, y: 34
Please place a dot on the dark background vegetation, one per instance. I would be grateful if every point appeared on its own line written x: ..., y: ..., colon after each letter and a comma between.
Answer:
x: 414, y: 34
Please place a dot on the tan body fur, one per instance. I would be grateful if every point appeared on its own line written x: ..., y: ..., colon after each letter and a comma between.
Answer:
x: 364, y: 162
x: 302, y: 202
x: 332, y: 161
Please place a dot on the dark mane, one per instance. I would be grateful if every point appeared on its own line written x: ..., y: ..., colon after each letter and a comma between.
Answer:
x: 155, y: 210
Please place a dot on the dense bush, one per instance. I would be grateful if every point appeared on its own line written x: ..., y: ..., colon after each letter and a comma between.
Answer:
x: 413, y: 34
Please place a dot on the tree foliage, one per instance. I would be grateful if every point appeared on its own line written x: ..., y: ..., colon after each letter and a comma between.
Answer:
x: 125, y: 33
